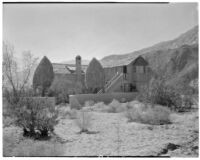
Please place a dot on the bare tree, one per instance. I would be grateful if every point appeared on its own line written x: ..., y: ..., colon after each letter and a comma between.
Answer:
x: 16, y: 75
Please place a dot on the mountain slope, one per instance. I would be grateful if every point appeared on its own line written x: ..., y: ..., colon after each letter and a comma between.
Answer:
x: 177, y: 58
x: 179, y: 64
x: 189, y: 38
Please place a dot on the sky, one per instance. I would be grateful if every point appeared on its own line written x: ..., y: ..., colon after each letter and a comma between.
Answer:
x: 62, y: 31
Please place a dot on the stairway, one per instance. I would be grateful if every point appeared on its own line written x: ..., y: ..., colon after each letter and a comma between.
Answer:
x: 111, y: 82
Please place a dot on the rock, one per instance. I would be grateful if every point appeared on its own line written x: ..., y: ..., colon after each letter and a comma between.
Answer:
x: 171, y: 146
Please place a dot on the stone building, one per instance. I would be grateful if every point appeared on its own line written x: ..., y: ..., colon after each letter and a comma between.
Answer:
x: 126, y: 77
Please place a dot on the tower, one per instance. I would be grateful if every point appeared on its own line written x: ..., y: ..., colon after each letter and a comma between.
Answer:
x: 78, y: 68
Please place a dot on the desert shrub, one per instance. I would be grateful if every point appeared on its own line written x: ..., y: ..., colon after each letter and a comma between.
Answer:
x: 43, y: 76
x: 112, y: 107
x: 95, y: 76
x: 67, y: 112
x: 99, y: 106
x: 37, y: 116
x: 116, y: 107
x: 74, y: 103
x: 154, y: 115
x: 133, y: 115
x: 167, y: 96
x: 158, y: 92
x: 157, y: 115
x: 60, y: 89
x: 122, y: 108
x: 89, y: 103
x: 30, y: 148
x: 84, y: 121
x: 136, y: 103
x: 60, y: 97
x: 187, y: 102
x: 62, y: 111
x: 123, y: 100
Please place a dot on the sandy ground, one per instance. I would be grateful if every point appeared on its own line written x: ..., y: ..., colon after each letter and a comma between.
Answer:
x: 114, y: 136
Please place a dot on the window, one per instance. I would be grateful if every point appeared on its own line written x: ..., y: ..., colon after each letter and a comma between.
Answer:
x: 124, y: 69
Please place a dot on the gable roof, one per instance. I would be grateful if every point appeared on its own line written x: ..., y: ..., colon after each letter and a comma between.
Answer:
x: 66, y: 68
x: 124, y: 62
x: 60, y: 68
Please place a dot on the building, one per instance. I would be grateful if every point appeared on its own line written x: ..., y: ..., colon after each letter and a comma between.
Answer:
x: 73, y: 74
x: 129, y: 76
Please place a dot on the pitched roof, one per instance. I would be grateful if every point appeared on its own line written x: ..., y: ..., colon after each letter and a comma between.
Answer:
x: 72, y: 67
x: 66, y: 68
x: 60, y: 68
x: 119, y: 62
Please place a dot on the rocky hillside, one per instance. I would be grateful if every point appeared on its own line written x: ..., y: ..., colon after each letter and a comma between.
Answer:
x: 177, y: 58
x: 180, y: 64
x: 188, y: 38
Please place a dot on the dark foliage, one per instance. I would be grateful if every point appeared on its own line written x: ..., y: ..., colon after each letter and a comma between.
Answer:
x: 60, y: 97
x: 37, y: 116
x: 43, y: 76
x: 95, y: 77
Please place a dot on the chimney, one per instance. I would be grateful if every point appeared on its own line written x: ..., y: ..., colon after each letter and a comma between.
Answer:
x: 78, y: 68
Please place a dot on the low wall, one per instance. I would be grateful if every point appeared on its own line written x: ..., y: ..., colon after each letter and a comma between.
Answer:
x: 105, y: 97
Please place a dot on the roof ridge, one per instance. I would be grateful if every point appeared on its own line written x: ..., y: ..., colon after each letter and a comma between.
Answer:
x: 69, y: 64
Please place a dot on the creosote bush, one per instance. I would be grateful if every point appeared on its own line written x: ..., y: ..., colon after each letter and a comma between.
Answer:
x: 116, y: 107
x: 37, y: 116
x: 158, y: 92
x: 148, y: 114
x: 113, y: 107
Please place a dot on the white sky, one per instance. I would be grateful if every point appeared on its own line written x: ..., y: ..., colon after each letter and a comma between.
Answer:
x: 62, y: 31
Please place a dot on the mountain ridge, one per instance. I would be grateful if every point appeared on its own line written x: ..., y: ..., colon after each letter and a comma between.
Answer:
x: 189, y: 37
